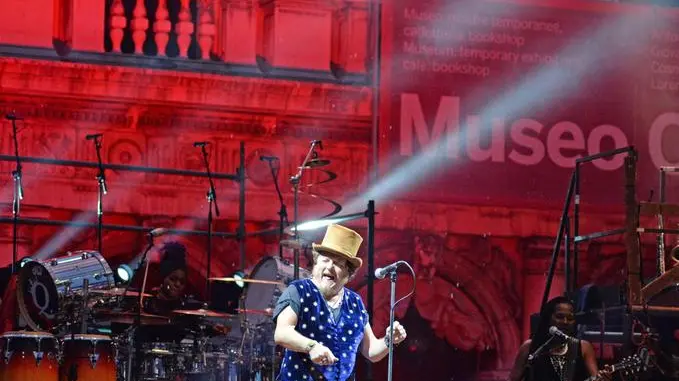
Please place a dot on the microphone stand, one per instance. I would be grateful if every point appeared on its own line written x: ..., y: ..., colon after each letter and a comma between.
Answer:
x: 295, y: 180
x: 18, y: 194
x: 101, y: 179
x: 283, y: 212
x: 535, y: 355
x: 212, y: 200
x: 392, y: 305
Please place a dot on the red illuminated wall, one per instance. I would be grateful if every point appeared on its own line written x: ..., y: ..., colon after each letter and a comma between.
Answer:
x: 275, y: 74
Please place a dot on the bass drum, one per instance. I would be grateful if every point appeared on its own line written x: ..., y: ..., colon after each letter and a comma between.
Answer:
x: 260, y: 298
x: 45, y: 288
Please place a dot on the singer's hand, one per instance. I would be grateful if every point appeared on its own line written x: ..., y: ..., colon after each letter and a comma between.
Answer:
x: 399, y: 332
x: 321, y: 355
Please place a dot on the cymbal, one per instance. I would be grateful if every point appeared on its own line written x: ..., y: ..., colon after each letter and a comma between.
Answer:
x: 119, y: 292
x: 247, y: 280
x: 129, y: 317
x: 202, y: 313
x: 267, y: 312
x: 315, y: 163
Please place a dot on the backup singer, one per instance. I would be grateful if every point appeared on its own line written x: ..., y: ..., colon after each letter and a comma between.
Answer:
x: 562, y: 360
x: 321, y: 323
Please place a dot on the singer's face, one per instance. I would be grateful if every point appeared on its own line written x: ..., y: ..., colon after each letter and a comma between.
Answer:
x: 564, y: 318
x: 174, y: 284
x: 330, y: 273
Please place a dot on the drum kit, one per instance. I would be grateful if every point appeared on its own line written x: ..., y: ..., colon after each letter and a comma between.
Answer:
x: 81, y: 326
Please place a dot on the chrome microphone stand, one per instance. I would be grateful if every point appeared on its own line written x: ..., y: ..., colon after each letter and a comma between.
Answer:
x: 295, y: 180
x: 392, y: 306
x: 18, y: 193
x: 103, y: 190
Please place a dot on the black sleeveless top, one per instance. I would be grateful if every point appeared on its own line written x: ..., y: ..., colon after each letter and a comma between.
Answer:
x: 549, y: 367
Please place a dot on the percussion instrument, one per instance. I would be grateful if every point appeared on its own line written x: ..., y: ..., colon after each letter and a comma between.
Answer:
x: 48, y: 291
x: 268, y: 280
x: 29, y: 356
x: 202, y: 313
x: 129, y: 317
x: 88, y: 358
x: 246, y: 280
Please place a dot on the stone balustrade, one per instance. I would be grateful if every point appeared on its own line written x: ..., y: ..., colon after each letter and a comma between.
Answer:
x: 331, y: 36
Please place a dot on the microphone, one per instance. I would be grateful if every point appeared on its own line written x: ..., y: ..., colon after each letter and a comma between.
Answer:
x: 12, y: 116
x: 268, y: 158
x: 93, y: 136
x: 157, y: 232
x: 319, y: 143
x: 381, y: 272
x: 557, y: 332
x: 200, y: 144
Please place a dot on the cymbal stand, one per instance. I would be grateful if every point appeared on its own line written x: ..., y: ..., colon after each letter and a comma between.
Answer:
x: 295, y: 180
x: 212, y: 200
x: 283, y: 212
x: 18, y: 193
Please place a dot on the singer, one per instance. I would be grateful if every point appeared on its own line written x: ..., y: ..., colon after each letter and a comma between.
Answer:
x: 563, y: 360
x: 321, y: 323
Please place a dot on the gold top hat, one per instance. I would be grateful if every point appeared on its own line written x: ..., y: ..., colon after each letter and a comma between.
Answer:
x: 343, y: 242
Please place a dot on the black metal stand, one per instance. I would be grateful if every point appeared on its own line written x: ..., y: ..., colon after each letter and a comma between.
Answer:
x: 101, y: 180
x: 18, y: 193
x: 528, y: 369
x: 283, y: 212
x: 212, y: 201
x: 295, y: 180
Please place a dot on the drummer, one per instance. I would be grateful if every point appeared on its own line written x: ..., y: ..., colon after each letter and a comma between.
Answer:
x: 171, y: 293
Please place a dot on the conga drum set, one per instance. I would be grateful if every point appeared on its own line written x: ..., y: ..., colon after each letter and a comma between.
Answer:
x: 80, y: 326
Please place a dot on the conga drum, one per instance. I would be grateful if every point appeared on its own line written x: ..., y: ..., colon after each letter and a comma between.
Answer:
x: 87, y: 358
x: 28, y: 356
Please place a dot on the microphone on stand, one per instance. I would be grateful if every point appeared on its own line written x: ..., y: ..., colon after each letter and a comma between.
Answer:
x: 558, y: 333
x: 268, y: 158
x: 200, y: 144
x: 381, y: 272
x: 319, y: 143
x: 93, y: 136
x: 13, y: 116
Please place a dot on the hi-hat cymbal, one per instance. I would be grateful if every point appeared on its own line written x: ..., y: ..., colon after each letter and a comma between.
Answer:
x: 119, y: 292
x: 202, y: 313
x: 129, y: 317
x: 267, y: 312
x: 315, y: 163
x: 247, y: 280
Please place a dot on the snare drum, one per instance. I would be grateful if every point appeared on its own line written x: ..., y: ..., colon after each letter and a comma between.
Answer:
x: 45, y: 286
x: 28, y: 356
x: 260, y: 297
x: 88, y: 358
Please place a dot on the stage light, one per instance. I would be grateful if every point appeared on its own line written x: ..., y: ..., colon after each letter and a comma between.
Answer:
x: 238, y: 276
x: 23, y: 262
x: 124, y: 273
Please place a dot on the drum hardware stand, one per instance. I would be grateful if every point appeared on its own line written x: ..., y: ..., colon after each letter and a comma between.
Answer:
x: 101, y: 179
x: 212, y: 200
x: 85, y: 310
x: 18, y: 190
x: 283, y: 212
x: 295, y: 180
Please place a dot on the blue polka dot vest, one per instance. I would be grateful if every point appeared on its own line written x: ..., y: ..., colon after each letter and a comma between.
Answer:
x: 342, y: 337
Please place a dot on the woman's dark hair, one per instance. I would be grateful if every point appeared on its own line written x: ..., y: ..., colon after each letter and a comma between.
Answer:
x: 174, y: 258
x: 541, y: 334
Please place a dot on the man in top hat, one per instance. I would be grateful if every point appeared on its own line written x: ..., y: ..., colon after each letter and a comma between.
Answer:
x: 321, y: 324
